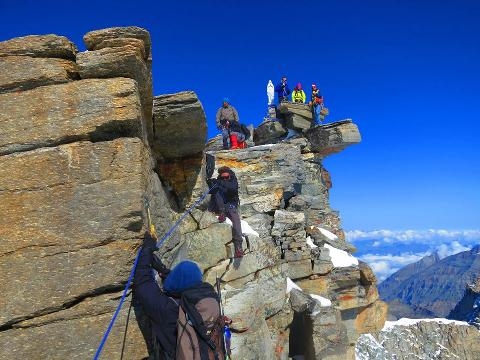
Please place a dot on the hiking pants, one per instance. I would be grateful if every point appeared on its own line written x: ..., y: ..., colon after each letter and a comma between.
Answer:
x: 225, y: 138
x: 316, y: 115
x: 230, y: 211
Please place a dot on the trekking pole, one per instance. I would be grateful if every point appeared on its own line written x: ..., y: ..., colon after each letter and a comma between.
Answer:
x: 226, y: 330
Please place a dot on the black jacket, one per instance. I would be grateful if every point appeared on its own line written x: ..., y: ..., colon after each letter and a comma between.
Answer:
x: 229, y: 189
x: 162, y: 310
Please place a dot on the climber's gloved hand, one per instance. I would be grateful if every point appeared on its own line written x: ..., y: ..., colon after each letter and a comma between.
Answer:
x: 159, y: 266
x: 211, y: 182
x: 149, y: 242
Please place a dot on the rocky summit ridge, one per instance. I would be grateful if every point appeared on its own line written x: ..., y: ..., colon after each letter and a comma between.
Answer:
x: 84, y: 142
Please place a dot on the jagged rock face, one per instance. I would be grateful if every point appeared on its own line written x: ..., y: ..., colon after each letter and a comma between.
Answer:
x: 76, y: 212
x: 422, y: 340
x: 468, y: 308
x: 73, y: 208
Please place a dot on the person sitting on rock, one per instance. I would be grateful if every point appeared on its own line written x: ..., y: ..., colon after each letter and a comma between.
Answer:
x: 225, y: 201
x: 166, y: 308
x: 316, y: 104
x: 237, y: 137
x: 226, y: 116
x: 298, y: 95
x: 282, y: 90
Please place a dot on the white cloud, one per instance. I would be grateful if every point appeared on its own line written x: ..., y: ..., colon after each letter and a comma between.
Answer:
x: 407, y: 236
x: 455, y: 247
x: 385, y: 265
x: 387, y: 251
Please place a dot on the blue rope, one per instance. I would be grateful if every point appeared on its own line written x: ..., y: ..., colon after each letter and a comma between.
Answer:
x: 114, y: 317
x: 132, y: 272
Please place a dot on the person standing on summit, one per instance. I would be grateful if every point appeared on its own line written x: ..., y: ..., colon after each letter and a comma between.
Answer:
x: 298, y: 95
x: 316, y: 104
x: 226, y: 115
x: 282, y: 90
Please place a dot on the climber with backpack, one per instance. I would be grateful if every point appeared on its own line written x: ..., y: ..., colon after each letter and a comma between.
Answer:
x: 186, y: 321
x: 239, y: 133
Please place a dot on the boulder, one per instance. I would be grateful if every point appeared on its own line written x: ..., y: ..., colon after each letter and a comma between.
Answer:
x: 126, y: 61
x: 296, y: 116
x: 268, y: 131
x: 79, y: 110
x: 333, y: 138
x: 46, y: 46
x: 25, y: 72
x: 179, y: 124
x: 118, y: 36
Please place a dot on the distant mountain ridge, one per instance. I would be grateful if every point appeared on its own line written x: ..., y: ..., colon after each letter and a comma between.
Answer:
x: 430, y: 287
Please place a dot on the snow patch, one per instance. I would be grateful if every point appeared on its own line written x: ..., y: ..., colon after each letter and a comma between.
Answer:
x: 328, y: 234
x: 323, y: 301
x: 310, y: 243
x: 341, y: 258
x: 389, y: 325
x: 247, y: 229
x: 291, y: 285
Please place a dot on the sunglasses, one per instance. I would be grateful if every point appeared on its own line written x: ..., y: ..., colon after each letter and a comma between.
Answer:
x: 225, y: 177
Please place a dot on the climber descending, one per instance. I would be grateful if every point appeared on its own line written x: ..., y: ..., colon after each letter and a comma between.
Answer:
x: 225, y: 201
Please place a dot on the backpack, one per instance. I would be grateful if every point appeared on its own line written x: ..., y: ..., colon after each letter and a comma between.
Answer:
x: 200, y: 325
x: 245, y: 131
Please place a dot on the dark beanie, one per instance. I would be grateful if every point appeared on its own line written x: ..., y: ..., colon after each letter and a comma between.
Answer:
x: 184, y: 275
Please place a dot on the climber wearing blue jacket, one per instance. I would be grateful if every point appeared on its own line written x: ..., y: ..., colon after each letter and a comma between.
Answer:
x: 282, y: 90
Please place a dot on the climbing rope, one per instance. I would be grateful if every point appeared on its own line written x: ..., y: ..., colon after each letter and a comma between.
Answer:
x: 151, y: 229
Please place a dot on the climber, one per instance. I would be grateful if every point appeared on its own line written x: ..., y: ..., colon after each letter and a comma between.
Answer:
x: 298, y: 95
x: 316, y: 104
x: 226, y: 115
x: 225, y: 201
x: 173, y: 337
x: 237, y: 137
x: 282, y: 90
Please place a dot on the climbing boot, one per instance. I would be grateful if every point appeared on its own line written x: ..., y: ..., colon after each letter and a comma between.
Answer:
x: 238, y: 251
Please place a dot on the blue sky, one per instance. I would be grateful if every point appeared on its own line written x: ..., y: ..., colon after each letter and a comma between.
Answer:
x: 406, y: 71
